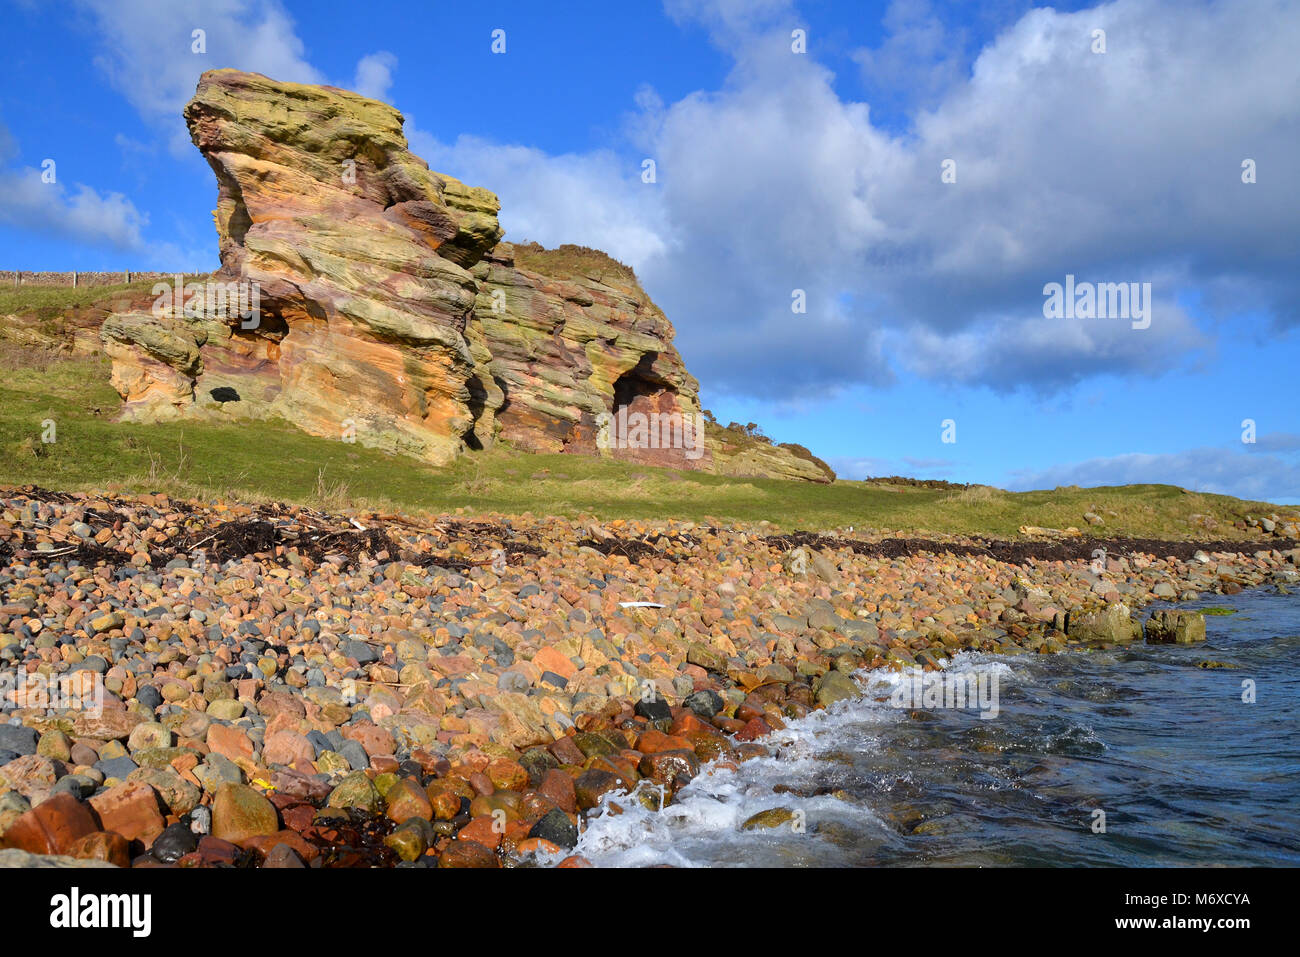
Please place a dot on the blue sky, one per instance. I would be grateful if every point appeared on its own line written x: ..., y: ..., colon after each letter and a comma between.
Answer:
x: 779, y: 171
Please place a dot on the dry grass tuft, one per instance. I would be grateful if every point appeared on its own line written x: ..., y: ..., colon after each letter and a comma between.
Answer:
x: 330, y: 496
x: 976, y: 495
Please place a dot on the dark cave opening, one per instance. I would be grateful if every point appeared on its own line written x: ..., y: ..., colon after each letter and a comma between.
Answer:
x: 638, y: 382
x: 477, y: 403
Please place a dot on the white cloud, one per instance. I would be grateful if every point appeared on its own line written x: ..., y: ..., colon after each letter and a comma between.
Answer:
x: 865, y: 467
x: 593, y: 199
x: 1116, y: 167
x: 146, y: 51
x: 375, y: 75
x: 1006, y: 351
x: 1275, y: 442
x: 1222, y: 471
x: 862, y: 467
x: 131, y: 146
x: 921, y: 57
x: 80, y: 214
x: 1226, y: 472
x: 732, y: 23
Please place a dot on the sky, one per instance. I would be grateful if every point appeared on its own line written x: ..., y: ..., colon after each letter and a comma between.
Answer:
x: 915, y: 174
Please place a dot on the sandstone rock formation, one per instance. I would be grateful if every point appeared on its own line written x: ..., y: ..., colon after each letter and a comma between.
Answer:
x: 388, y: 309
x: 569, y: 334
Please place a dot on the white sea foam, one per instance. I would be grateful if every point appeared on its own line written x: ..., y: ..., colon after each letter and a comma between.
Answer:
x: 702, y: 826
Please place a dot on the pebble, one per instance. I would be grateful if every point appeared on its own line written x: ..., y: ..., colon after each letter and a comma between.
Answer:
x: 150, y: 697
x: 18, y: 740
x: 239, y: 812
x: 173, y: 843
x: 394, y: 684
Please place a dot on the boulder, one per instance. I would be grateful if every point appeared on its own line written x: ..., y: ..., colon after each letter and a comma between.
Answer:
x: 1114, y: 623
x: 133, y: 810
x: 555, y: 826
x: 1175, y: 627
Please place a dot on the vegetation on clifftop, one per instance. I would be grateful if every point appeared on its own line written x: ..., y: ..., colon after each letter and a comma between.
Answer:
x: 736, y: 438
x: 569, y: 261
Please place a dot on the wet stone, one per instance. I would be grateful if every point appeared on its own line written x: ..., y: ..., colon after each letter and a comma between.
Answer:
x: 771, y: 818
x: 704, y: 703
x: 555, y: 826
x: 654, y: 709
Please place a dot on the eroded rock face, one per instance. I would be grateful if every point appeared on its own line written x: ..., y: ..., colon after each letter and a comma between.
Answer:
x: 389, y: 310
x: 359, y: 257
x: 571, y: 336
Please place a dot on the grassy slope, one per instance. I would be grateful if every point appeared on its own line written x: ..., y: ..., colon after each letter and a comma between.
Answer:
x: 45, y: 303
x: 261, y: 461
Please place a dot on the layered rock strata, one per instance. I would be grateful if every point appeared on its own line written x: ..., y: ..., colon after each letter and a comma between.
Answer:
x: 365, y: 297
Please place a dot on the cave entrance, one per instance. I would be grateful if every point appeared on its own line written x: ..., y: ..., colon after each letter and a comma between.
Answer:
x: 638, y: 383
x: 646, y: 423
x: 271, y: 321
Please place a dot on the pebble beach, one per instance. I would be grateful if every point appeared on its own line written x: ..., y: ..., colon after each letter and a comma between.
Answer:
x: 274, y: 686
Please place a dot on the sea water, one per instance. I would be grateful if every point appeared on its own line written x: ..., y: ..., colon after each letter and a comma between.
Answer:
x: 1136, y: 756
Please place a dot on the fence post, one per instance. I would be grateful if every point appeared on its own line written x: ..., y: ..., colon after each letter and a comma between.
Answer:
x: 74, y: 279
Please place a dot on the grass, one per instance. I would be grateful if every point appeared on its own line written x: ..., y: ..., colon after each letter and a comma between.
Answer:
x: 976, y: 495
x: 46, y: 303
x: 568, y: 261
x: 272, y: 461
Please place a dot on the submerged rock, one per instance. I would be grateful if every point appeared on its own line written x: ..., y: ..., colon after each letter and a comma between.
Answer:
x: 771, y: 818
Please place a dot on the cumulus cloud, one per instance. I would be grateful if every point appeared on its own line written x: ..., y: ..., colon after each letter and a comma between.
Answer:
x: 920, y: 59
x: 1115, y: 167
x: 593, y: 199
x: 375, y: 75
x: 1275, y: 442
x: 150, y: 53
x: 147, y: 51
x: 1007, y: 350
x: 80, y: 213
x: 1222, y: 471
x: 733, y: 23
